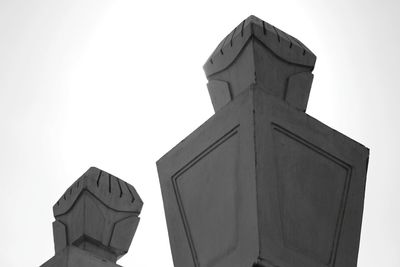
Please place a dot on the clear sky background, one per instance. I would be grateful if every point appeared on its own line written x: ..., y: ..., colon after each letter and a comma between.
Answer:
x: 116, y: 84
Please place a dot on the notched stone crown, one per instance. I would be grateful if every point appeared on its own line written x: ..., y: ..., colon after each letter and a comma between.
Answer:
x: 110, y: 190
x: 257, y: 54
x: 283, y: 45
x: 98, y: 213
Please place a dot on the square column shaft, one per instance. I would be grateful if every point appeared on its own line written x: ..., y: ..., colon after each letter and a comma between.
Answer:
x: 263, y: 183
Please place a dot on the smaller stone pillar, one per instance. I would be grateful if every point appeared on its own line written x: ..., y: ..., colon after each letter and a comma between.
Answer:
x: 96, y: 220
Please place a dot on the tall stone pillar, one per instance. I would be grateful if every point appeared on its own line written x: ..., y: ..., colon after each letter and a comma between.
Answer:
x: 96, y: 219
x: 261, y: 183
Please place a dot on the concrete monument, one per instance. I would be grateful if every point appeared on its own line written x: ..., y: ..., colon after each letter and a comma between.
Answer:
x: 96, y: 219
x: 261, y: 183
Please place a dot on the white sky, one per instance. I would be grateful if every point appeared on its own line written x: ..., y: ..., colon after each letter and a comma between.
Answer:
x: 116, y: 84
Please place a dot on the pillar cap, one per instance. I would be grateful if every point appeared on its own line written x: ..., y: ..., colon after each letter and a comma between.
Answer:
x: 280, y: 43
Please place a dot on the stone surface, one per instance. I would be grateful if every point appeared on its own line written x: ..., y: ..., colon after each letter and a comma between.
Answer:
x: 75, y: 257
x: 98, y: 215
x: 256, y: 52
x: 219, y: 93
x: 264, y: 183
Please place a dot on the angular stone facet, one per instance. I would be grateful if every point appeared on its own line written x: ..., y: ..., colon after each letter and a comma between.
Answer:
x: 261, y: 182
x: 256, y: 52
x: 97, y: 216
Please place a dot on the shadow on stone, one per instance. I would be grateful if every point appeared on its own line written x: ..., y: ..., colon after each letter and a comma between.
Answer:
x: 261, y: 181
x: 96, y: 220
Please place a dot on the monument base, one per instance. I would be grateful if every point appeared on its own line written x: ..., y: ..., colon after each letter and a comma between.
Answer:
x: 72, y: 256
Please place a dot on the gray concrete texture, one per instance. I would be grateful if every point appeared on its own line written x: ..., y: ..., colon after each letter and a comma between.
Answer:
x: 96, y: 219
x: 261, y: 183
x: 99, y: 83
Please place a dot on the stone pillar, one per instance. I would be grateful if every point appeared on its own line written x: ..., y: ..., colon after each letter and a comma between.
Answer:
x: 261, y: 183
x: 96, y: 219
